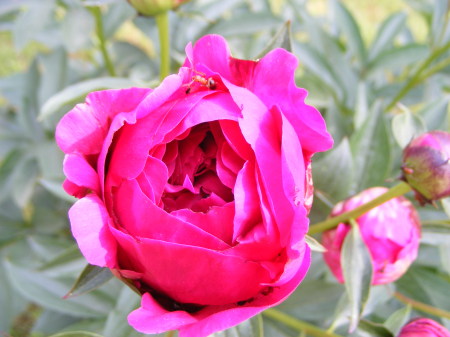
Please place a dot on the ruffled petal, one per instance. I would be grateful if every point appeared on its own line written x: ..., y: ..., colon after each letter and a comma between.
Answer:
x: 90, y: 226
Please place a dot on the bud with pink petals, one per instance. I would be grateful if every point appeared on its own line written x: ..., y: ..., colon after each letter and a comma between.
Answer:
x: 391, y: 232
x: 424, y: 327
x: 426, y: 166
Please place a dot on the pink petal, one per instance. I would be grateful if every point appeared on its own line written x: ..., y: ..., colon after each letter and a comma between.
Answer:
x: 89, y: 221
x: 214, y: 278
x: 81, y: 173
x: 83, y: 129
x: 142, y: 218
x: 273, y: 82
x: 218, y: 221
x: 151, y: 318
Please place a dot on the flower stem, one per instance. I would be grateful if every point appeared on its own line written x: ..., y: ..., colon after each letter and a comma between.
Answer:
x: 417, y: 78
x: 395, y: 191
x: 162, y: 21
x: 297, y: 324
x: 422, y: 306
x: 95, y: 10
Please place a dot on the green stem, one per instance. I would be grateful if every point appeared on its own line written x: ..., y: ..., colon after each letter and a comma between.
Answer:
x: 422, y: 306
x: 330, y: 223
x: 162, y: 21
x: 101, y: 38
x: 297, y: 324
x: 438, y: 67
x: 417, y: 78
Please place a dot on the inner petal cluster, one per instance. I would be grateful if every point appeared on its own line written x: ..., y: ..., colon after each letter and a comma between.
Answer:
x: 201, y: 170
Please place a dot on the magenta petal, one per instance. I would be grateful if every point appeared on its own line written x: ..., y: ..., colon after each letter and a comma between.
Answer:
x: 143, y: 219
x: 89, y: 221
x: 214, y: 319
x: 214, y: 278
x: 212, y: 51
x: 81, y: 173
x: 83, y: 129
x: 274, y: 83
x: 151, y: 318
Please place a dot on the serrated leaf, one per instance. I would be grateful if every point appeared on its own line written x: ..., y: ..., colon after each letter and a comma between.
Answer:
x: 76, y: 92
x: 399, y: 318
x: 406, y: 126
x: 357, y: 271
x: 282, y: 39
x: 76, y: 334
x: 90, y: 278
x: 314, y: 244
x: 350, y: 28
x: 386, y: 33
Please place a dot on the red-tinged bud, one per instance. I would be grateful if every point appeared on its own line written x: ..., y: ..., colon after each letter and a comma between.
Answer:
x: 154, y: 7
x: 426, y: 166
x: 423, y: 327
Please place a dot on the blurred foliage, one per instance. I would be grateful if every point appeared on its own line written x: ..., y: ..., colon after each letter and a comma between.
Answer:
x: 377, y: 88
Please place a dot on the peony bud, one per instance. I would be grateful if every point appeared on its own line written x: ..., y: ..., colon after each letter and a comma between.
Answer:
x: 391, y: 232
x: 154, y: 7
x: 423, y: 327
x: 426, y: 166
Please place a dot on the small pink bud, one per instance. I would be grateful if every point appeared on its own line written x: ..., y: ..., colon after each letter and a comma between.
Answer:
x: 154, y: 7
x: 423, y: 327
x: 426, y: 166
x: 391, y: 232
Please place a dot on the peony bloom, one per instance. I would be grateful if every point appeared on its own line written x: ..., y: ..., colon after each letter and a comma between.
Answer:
x: 424, y: 327
x: 426, y: 165
x: 154, y: 7
x: 391, y: 232
x: 197, y: 192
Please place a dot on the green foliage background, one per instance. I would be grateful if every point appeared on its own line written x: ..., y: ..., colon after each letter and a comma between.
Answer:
x: 378, y: 71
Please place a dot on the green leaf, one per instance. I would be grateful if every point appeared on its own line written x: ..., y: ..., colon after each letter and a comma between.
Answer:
x: 116, y: 323
x: 434, y: 113
x: 406, y: 126
x: 48, y: 293
x: 55, y: 187
x: 386, y: 33
x: 76, y: 334
x: 282, y: 39
x: 252, y: 327
x: 7, y: 169
x: 350, y: 28
x: 371, y: 151
x: 90, y: 278
x: 399, y: 318
x: 24, y: 180
x: 374, y: 329
x: 398, y: 58
x: 440, y: 15
x: 245, y: 23
x: 340, y: 158
x: 314, y: 244
x: 357, y: 271
x: 76, y: 93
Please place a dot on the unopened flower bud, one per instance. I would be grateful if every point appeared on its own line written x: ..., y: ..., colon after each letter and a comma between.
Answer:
x: 426, y: 166
x: 391, y: 232
x: 154, y: 7
x: 423, y: 327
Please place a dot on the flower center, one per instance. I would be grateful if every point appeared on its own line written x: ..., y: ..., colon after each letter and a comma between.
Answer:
x: 194, y: 182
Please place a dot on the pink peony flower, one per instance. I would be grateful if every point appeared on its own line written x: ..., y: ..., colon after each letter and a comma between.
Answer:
x: 426, y: 165
x: 197, y: 192
x: 391, y: 232
x: 424, y: 327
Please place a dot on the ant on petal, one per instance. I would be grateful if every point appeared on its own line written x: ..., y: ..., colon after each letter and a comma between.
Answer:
x: 209, y: 82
